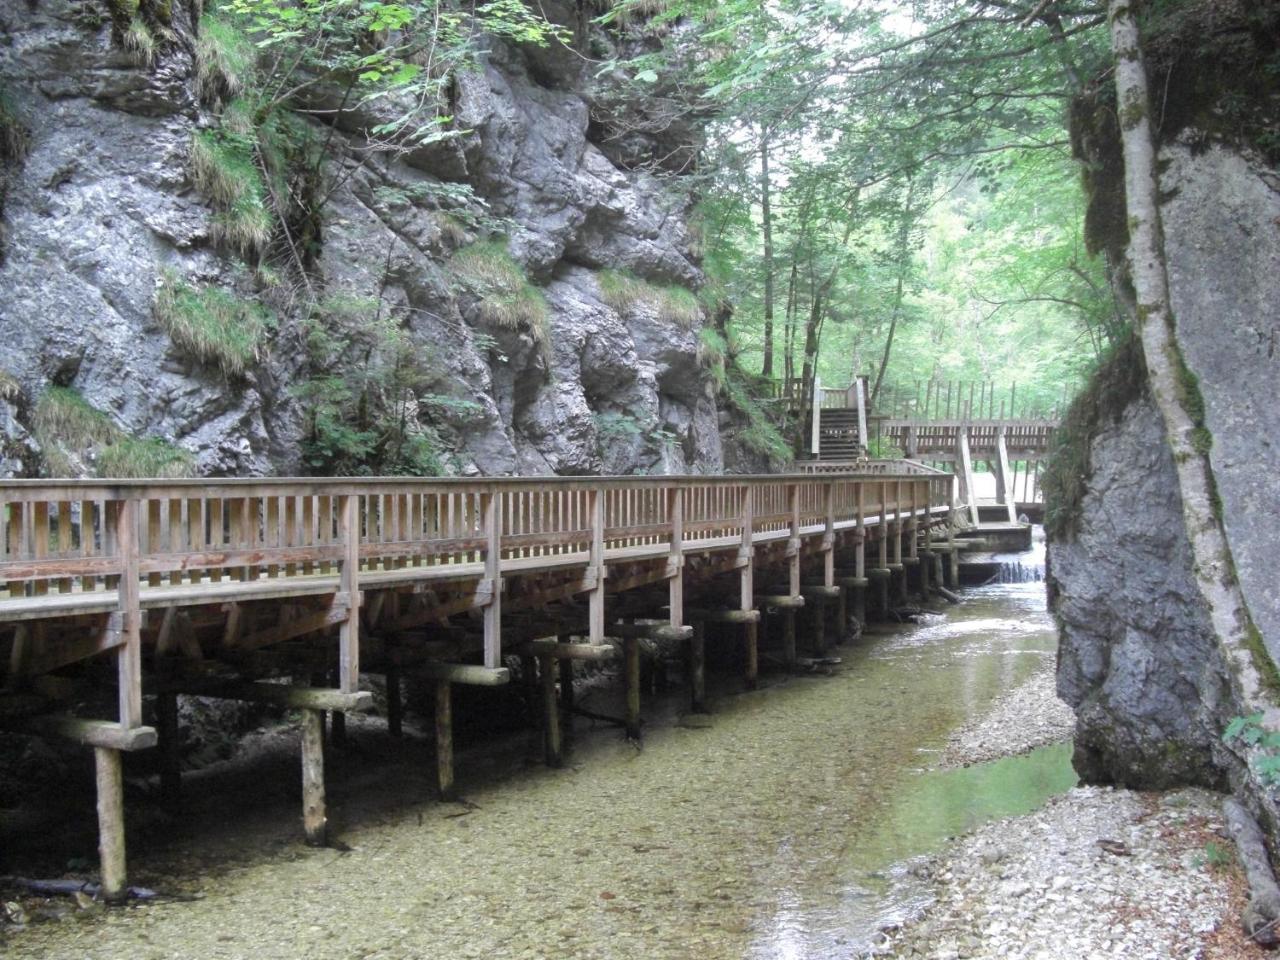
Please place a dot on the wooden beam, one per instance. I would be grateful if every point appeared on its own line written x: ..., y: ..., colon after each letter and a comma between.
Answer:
x: 472, y: 674
x: 94, y: 733
x: 109, y: 775
x: 296, y: 698
x: 314, y: 820
x: 570, y: 651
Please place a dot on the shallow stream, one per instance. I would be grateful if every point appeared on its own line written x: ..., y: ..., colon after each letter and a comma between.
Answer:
x: 780, y: 826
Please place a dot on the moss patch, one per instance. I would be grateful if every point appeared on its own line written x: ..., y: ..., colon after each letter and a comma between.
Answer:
x: 1119, y: 380
x: 1262, y: 661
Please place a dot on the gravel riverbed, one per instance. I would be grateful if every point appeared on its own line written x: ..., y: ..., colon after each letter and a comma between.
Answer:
x: 1095, y: 873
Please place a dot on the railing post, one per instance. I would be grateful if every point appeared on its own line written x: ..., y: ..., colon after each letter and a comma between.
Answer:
x: 746, y: 553
x: 860, y: 389
x: 793, y: 542
x: 829, y: 535
x: 675, y: 562
x: 129, y: 656
x: 595, y: 600
x: 349, y: 584
x: 815, y: 421
x: 493, y: 576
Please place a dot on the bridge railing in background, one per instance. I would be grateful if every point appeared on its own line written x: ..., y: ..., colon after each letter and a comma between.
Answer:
x: 926, y: 399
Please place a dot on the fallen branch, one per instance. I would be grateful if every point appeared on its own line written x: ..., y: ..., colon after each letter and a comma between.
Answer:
x: 1263, y: 912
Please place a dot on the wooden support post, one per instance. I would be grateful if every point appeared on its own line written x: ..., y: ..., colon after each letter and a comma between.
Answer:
x: 313, y: 812
x: 566, y: 684
x: 752, y: 640
x: 925, y: 563
x: 937, y: 568
x: 698, y: 667
x: 551, y: 711
x: 842, y: 615
x: 395, y: 702
x: 111, y: 845
x: 444, y: 740
x: 170, y: 749
x: 493, y: 576
x: 746, y: 552
x: 631, y: 649
x: 965, y: 475
x: 789, y: 655
x: 529, y: 670
x: 1004, y: 482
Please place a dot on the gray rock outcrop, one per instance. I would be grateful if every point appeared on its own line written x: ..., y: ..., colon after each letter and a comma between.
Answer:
x: 103, y: 204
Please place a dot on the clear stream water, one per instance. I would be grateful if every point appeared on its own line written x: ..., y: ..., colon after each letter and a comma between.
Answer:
x: 779, y: 827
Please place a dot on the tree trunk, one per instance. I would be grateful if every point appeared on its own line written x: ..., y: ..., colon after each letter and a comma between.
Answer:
x: 1211, y: 553
x: 904, y: 235
x: 766, y: 216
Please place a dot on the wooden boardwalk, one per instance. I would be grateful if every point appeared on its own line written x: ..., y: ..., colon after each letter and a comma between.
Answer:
x: 226, y: 588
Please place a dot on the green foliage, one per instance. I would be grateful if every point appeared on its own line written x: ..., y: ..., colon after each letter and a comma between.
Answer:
x: 1119, y: 380
x: 212, y: 325
x: 713, y: 355
x: 70, y: 430
x: 1264, y: 746
x: 365, y: 399
x: 614, y: 427
x: 507, y: 298
x: 139, y: 41
x: 760, y: 434
x: 1216, y: 856
x: 878, y: 448
x: 674, y: 304
x: 133, y: 457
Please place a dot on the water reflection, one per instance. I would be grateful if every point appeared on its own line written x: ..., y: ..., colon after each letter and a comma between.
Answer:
x: 943, y: 672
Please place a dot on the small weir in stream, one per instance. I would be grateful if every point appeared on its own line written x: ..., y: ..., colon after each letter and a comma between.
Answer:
x: 782, y: 826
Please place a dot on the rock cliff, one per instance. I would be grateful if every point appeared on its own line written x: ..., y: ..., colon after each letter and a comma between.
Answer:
x: 103, y: 222
x: 1139, y: 660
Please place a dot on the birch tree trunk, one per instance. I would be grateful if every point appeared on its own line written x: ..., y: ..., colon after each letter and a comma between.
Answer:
x: 1211, y: 554
x: 766, y: 216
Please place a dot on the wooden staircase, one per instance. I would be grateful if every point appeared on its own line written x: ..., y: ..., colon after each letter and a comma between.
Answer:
x: 838, y: 434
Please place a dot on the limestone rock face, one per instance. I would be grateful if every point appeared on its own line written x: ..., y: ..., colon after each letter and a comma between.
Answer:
x: 1135, y: 660
x: 1223, y: 225
x: 103, y: 203
x: 1138, y: 659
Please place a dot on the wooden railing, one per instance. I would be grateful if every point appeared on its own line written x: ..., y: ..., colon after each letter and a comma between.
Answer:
x: 81, y: 548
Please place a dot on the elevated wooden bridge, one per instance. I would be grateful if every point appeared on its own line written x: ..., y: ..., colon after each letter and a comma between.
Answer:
x: 287, y: 591
x: 949, y: 425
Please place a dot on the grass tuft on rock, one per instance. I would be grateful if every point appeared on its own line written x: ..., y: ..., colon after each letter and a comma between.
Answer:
x: 225, y: 60
x: 212, y: 325
x: 224, y: 170
x: 10, y: 388
x: 508, y: 299
x: 136, y: 457
x: 13, y: 134
x: 64, y: 422
x: 140, y: 42
x: 674, y: 304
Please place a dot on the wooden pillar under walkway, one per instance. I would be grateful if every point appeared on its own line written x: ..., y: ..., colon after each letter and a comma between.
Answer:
x: 111, y: 844
x: 314, y: 821
x: 170, y: 749
x: 444, y: 741
x: 395, y: 703
x: 551, y: 745
x: 698, y: 668
x: 1005, y: 482
x: 631, y: 653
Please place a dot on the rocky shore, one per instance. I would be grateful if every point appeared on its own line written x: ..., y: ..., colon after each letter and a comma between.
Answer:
x: 1095, y: 873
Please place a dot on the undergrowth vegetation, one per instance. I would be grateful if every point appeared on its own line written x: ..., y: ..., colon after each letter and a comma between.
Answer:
x: 507, y: 298
x: 1119, y: 380
x: 365, y: 404
x: 71, y: 432
x: 212, y: 325
x: 674, y: 304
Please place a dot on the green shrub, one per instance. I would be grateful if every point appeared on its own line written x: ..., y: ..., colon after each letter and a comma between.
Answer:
x: 674, y: 304
x: 64, y: 423
x: 760, y: 434
x: 713, y: 352
x: 212, y: 325
x: 133, y: 457
x: 508, y: 299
